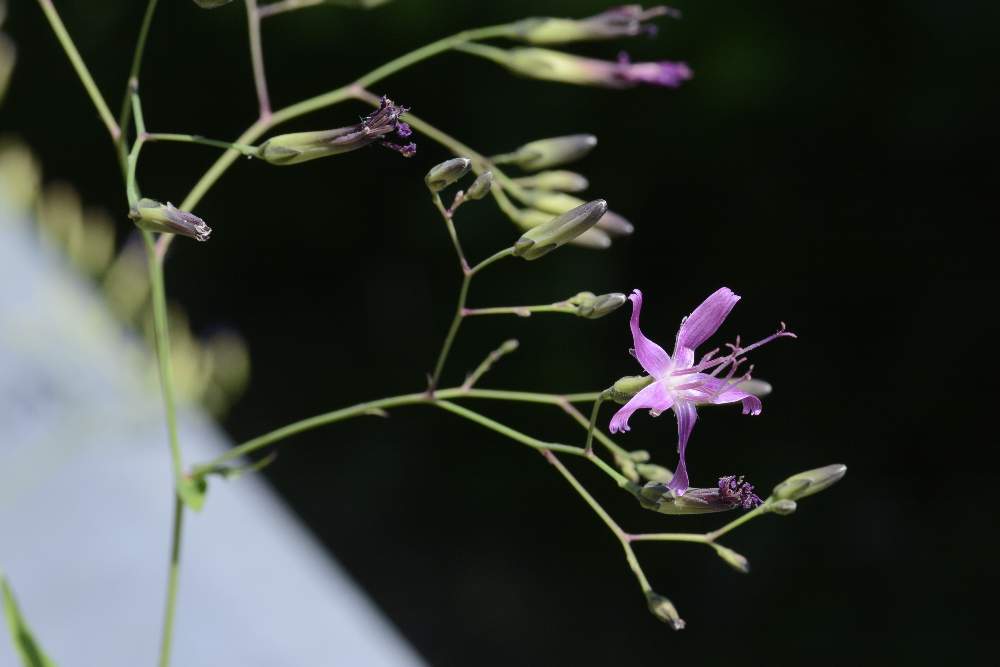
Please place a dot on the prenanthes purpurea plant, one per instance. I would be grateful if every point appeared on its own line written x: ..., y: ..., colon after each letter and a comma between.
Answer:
x: 542, y: 204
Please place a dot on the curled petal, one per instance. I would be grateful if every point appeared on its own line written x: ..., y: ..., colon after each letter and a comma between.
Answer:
x: 718, y: 392
x: 686, y: 416
x: 655, y: 397
x: 653, y: 359
x: 706, y: 318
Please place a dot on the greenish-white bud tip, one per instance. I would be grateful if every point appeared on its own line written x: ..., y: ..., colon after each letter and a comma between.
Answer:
x: 655, y: 473
x: 758, y: 388
x: 442, y: 175
x: 627, y: 387
x: 592, y: 307
x: 562, y: 229
x: 552, y: 152
x: 664, y: 609
x: 153, y: 216
x: 560, y: 202
x: 556, y: 179
x: 737, y: 561
x: 481, y: 186
x: 782, y: 507
x: 211, y: 4
x: 809, y: 482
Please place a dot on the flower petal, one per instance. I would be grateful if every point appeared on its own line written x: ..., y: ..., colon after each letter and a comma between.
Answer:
x: 718, y: 391
x: 655, y: 397
x: 686, y: 416
x: 653, y: 358
x: 706, y: 319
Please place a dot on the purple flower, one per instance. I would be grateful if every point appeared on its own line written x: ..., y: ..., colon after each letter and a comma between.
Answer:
x: 681, y: 384
x: 568, y: 68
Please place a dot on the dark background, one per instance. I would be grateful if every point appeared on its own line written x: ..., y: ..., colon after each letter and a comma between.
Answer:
x: 831, y: 162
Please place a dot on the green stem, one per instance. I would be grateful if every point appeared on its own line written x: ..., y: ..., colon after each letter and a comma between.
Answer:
x: 81, y: 68
x: 493, y: 357
x: 735, y: 523
x: 133, y: 75
x: 463, y: 294
x: 671, y: 537
x: 173, y: 576
x: 503, y: 429
x: 618, y: 452
x: 257, y: 59
x: 520, y: 311
x: 593, y: 423
x: 245, y: 149
x: 286, y: 6
x: 446, y: 215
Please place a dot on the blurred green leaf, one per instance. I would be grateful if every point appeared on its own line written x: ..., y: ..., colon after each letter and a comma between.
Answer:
x: 29, y: 650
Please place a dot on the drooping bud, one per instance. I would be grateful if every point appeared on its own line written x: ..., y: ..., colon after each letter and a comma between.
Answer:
x: 552, y: 152
x: 556, y: 179
x: 569, y: 226
x: 664, y: 610
x: 588, y: 305
x: 552, y: 65
x: 481, y: 186
x: 809, y: 482
x: 782, y: 507
x: 442, y: 175
x: 737, y: 561
x: 211, y: 4
x: 153, y: 216
x: 377, y: 127
x: 627, y: 387
x: 626, y: 21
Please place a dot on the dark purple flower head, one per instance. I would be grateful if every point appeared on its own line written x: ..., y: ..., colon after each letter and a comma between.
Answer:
x: 734, y: 490
x: 681, y: 384
x: 384, y: 122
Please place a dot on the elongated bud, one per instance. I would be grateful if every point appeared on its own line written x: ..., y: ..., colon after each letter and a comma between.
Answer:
x: 211, y: 4
x: 664, y: 610
x: 556, y: 179
x: 544, y: 238
x: 758, y: 388
x: 552, y: 152
x: 380, y: 126
x: 657, y: 497
x: 567, y: 68
x: 442, y: 175
x: 782, y: 507
x: 627, y: 387
x: 655, y: 473
x: 560, y: 202
x: 809, y: 482
x: 588, y: 305
x: 153, y: 216
x: 481, y: 186
x: 626, y: 21
x: 735, y: 560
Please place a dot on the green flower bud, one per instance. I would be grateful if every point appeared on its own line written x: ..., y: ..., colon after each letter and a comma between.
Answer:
x: 567, y: 227
x: 442, y: 175
x: 561, y: 180
x: 592, y: 307
x: 657, y: 497
x: 664, y: 610
x: 758, y: 388
x: 560, y: 202
x: 809, y: 482
x: 639, y: 455
x: 782, y: 507
x: 629, y: 386
x: 593, y: 238
x: 737, y: 561
x: 552, y: 152
x: 624, y: 21
x: 153, y: 216
x: 481, y: 186
x: 211, y: 4
x: 655, y: 473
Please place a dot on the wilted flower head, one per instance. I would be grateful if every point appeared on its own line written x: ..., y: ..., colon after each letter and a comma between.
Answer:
x: 624, y: 21
x: 153, y: 216
x: 731, y: 492
x: 681, y: 384
x: 381, y: 126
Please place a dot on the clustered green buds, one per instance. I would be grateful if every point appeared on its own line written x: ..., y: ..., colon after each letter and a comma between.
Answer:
x: 809, y: 482
x: 153, y: 216
x: 552, y: 152
x: 556, y: 179
x: 481, y: 186
x: 442, y: 175
x: 664, y: 610
x: 569, y: 226
x: 591, y: 306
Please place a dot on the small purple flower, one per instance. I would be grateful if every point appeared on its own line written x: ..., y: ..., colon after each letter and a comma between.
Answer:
x: 735, y: 491
x: 384, y: 121
x: 663, y: 73
x: 681, y: 384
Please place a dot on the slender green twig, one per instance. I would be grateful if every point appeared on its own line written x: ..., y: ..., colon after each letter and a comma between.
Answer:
x: 133, y: 76
x: 81, y: 68
x: 503, y: 429
x: 520, y: 311
x: 593, y: 422
x: 286, y: 6
x: 736, y: 523
x: 493, y: 357
x: 257, y: 60
x: 245, y: 149
x: 446, y: 215
x: 173, y: 578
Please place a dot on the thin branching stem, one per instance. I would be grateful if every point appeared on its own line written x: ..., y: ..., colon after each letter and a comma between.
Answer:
x: 133, y: 78
x: 257, y: 60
